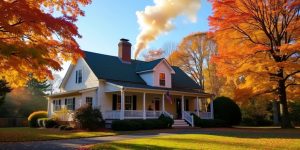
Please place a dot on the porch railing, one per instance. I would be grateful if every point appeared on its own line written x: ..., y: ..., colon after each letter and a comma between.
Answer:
x: 153, y: 114
x: 188, y: 117
x: 131, y: 114
x: 112, y: 114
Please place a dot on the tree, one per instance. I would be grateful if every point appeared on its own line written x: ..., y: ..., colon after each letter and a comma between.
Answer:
x: 193, y: 55
x: 38, y: 87
x: 4, y: 89
x: 258, y: 44
x: 34, y: 41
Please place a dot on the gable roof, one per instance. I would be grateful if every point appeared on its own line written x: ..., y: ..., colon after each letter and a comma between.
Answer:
x: 145, y: 66
x: 112, y: 69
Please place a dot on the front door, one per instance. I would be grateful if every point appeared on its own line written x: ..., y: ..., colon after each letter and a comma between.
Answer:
x: 178, y: 108
x: 157, y: 105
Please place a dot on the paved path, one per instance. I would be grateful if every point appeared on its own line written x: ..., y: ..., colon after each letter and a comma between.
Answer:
x: 76, y: 143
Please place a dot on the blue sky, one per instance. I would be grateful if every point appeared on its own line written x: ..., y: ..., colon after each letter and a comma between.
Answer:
x: 106, y: 21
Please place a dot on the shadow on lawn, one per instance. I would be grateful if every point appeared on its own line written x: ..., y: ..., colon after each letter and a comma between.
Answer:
x: 255, y: 133
x: 118, y: 146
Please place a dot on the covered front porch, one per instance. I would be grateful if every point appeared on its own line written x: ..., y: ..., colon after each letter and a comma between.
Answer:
x: 138, y: 103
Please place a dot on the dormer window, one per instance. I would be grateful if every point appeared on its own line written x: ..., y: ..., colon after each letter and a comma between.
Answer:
x: 78, y: 76
x: 162, y: 79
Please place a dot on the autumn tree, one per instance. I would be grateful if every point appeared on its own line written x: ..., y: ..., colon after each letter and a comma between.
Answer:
x: 258, y: 42
x: 193, y: 55
x: 36, y: 37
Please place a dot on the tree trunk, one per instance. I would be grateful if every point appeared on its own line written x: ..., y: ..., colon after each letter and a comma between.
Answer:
x: 285, y: 119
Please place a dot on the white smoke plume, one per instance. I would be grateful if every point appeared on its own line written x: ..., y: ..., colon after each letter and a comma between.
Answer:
x: 157, y: 19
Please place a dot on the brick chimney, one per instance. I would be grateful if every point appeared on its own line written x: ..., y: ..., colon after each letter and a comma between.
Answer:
x: 125, y: 50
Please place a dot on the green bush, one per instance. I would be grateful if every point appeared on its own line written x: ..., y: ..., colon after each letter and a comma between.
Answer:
x: 62, y: 127
x: 258, y: 121
x: 68, y: 128
x: 33, y: 117
x: 49, y: 123
x: 168, y: 121
x: 295, y: 112
x: 227, y: 110
x: 130, y: 125
x: 89, y: 118
x: 208, y: 123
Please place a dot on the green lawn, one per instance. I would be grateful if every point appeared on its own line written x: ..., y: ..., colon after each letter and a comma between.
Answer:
x: 36, y: 134
x: 215, y: 139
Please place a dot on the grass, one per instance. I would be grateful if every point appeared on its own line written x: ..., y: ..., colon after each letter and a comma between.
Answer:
x: 214, y: 139
x: 37, y: 134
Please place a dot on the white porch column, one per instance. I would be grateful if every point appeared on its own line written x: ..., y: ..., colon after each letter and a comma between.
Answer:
x: 197, y: 102
x: 182, y: 106
x: 49, y: 107
x: 122, y: 104
x: 212, y: 107
x: 144, y: 105
x: 163, y: 102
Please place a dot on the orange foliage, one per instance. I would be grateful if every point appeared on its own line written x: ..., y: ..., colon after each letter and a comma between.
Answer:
x: 259, y: 42
x: 33, y: 41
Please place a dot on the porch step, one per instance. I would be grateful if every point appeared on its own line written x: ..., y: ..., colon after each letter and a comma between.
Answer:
x: 180, y: 124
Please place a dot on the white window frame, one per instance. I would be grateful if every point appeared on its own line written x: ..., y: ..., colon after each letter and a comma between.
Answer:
x: 78, y: 76
x: 56, y: 105
x: 69, y: 104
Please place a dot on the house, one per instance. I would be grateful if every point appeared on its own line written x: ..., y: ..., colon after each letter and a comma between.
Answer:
x: 123, y: 88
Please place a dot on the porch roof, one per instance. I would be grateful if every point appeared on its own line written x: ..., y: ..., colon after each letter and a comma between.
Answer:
x: 70, y: 93
x: 147, y: 87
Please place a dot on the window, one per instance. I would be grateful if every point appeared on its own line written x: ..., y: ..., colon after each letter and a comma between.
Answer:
x: 78, y: 76
x: 70, y: 103
x: 162, y: 79
x: 56, y: 105
x: 89, y: 101
x: 128, y: 103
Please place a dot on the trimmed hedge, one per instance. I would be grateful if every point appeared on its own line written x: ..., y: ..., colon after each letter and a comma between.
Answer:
x: 209, y: 123
x: 227, y: 110
x: 130, y: 125
x: 33, y: 117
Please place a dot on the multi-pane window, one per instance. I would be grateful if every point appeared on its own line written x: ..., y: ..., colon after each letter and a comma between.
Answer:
x: 89, y: 101
x: 128, y: 103
x: 162, y: 79
x: 70, y: 103
x: 78, y: 76
x: 56, y: 105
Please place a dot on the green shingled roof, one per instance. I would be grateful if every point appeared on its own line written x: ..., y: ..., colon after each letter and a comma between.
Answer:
x: 112, y: 69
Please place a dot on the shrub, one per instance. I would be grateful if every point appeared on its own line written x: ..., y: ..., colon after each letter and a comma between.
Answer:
x: 131, y: 125
x: 56, y: 126
x: 68, y: 128
x: 208, y: 123
x: 227, y: 110
x: 168, y: 121
x: 33, y: 117
x: 89, y: 118
x: 50, y: 123
x: 295, y: 112
x: 62, y: 127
